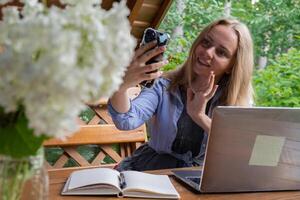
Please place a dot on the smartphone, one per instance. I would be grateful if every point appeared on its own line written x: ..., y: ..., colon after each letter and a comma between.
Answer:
x: 162, y: 39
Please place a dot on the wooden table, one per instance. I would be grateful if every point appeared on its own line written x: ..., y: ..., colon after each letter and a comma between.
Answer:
x: 59, y: 176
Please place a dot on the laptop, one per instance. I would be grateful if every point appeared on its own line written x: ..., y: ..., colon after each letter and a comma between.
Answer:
x: 249, y: 149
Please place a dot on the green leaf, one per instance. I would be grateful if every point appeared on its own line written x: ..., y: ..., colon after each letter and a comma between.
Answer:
x: 18, y: 140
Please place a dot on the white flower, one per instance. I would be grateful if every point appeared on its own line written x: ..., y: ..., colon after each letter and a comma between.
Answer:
x: 82, y: 2
x: 4, y: 1
x: 54, y: 60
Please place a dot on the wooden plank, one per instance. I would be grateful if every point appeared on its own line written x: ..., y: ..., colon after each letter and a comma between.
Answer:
x: 107, y: 149
x: 145, y: 132
x: 162, y: 12
x: 142, y: 24
x: 101, y: 101
x: 99, y: 134
x: 103, y: 113
x: 135, y: 11
x: 130, y: 4
x: 148, y: 12
x: 80, y: 122
x: 97, y: 160
x: 150, y: 6
x: 154, y: 2
x: 95, y: 120
x: 61, y: 161
x: 128, y: 150
x: 138, y: 33
x: 57, y: 179
x: 137, y: 145
x: 76, y: 156
x: 122, y: 150
x: 48, y: 166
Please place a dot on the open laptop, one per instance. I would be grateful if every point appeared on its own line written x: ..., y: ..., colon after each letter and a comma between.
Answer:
x: 250, y: 149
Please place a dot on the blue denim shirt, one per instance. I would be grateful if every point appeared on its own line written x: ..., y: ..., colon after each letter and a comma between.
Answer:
x: 162, y: 109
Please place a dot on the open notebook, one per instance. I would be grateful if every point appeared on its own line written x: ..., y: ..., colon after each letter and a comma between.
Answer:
x: 105, y: 181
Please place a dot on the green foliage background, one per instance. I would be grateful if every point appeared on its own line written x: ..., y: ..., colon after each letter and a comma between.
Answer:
x: 275, y: 28
x: 279, y: 83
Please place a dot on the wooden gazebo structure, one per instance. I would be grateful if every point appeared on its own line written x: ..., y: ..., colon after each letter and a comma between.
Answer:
x: 143, y: 13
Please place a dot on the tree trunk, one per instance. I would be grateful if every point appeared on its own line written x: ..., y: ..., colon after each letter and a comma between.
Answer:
x: 227, y: 8
x: 178, y: 30
x: 262, y: 62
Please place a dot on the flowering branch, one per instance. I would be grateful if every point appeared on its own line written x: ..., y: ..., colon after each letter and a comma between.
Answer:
x: 54, y: 61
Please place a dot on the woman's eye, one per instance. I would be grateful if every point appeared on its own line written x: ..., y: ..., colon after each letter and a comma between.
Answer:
x: 205, y: 43
x: 222, y: 53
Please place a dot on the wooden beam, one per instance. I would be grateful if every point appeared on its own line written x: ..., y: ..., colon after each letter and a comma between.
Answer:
x: 135, y: 11
x: 76, y: 156
x: 97, y: 160
x: 143, y: 24
x: 61, y: 161
x: 103, y: 113
x: 110, y: 152
x: 161, y: 13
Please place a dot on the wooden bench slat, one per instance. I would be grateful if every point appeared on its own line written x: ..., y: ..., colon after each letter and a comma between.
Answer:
x: 107, y: 149
x: 61, y: 161
x: 99, y: 134
x: 76, y: 156
x: 97, y: 160
x: 103, y: 113
x: 95, y: 120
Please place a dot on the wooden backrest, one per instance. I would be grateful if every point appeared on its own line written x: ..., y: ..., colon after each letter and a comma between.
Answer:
x: 111, y: 143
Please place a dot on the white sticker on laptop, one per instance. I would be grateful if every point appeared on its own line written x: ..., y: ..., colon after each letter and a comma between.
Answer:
x: 266, y: 150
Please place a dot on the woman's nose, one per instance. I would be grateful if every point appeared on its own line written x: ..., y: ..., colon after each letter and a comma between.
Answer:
x: 210, y: 52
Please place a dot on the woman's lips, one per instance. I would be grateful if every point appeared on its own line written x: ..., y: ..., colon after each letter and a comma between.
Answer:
x: 203, y: 63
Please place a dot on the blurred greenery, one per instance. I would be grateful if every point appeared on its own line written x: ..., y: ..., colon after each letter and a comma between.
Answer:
x: 279, y: 83
x: 87, y: 114
x: 275, y: 28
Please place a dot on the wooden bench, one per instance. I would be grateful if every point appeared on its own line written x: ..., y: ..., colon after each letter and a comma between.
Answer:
x: 100, y: 132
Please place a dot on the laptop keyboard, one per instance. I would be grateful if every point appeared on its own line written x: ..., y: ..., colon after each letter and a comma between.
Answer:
x: 194, y: 179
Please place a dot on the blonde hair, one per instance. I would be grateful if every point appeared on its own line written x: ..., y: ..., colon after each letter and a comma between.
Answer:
x: 238, y: 90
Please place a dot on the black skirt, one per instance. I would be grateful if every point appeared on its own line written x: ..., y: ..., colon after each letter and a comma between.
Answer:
x: 146, y: 158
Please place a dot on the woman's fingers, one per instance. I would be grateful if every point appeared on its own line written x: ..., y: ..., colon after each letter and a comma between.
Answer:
x: 212, y: 92
x: 150, y: 76
x: 136, y: 74
x: 210, y: 84
x: 154, y: 66
x: 151, y: 53
x: 140, y: 51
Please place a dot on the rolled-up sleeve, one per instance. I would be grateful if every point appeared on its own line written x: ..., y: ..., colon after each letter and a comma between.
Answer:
x: 142, y: 108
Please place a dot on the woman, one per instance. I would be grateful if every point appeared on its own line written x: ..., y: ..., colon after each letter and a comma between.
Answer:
x: 179, y: 105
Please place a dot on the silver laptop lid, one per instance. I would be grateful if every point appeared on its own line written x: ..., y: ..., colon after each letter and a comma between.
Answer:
x: 253, y: 149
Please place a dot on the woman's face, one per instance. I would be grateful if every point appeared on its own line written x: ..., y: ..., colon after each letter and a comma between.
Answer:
x: 216, y: 52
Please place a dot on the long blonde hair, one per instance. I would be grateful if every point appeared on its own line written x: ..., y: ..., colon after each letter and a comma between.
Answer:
x: 238, y: 90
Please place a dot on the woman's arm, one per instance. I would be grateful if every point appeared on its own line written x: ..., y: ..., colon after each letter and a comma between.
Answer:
x: 137, y: 72
x: 141, y: 108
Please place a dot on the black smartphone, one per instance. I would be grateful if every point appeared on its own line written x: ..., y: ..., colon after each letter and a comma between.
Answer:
x: 162, y: 39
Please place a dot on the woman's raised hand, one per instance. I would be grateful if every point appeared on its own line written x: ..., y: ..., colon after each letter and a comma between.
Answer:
x: 197, y: 98
x: 138, y: 70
